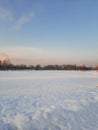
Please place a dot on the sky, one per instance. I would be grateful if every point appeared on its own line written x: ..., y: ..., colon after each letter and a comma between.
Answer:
x: 49, y: 31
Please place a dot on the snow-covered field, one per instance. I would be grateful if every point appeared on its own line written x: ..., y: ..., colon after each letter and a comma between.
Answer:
x: 48, y: 100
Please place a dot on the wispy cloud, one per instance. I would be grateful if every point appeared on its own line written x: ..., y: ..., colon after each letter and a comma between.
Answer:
x: 23, y: 20
x: 8, y: 16
x: 5, y: 15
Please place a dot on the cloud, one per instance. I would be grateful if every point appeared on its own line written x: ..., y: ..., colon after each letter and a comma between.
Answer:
x: 5, y: 15
x: 23, y: 20
x: 8, y: 16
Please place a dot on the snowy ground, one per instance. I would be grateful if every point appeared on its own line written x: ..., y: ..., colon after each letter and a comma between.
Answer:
x: 48, y: 100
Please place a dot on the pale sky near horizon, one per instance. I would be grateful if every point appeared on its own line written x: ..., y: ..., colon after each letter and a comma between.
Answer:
x: 49, y: 31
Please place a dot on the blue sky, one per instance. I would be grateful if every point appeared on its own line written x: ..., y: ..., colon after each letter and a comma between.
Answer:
x: 49, y: 31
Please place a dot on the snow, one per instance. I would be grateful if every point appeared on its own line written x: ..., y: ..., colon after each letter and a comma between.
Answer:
x: 48, y: 100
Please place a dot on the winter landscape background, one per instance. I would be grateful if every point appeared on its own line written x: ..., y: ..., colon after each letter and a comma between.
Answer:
x: 48, y: 100
x: 37, y: 37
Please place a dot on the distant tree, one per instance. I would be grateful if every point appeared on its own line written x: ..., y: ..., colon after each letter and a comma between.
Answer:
x: 6, y: 62
x: 31, y: 67
x: 38, y: 67
x: 6, y: 65
x: 0, y: 65
x: 0, y: 62
x: 97, y: 67
x: 22, y: 67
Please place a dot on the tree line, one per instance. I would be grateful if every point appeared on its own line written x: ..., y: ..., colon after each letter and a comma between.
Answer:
x: 7, y: 65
